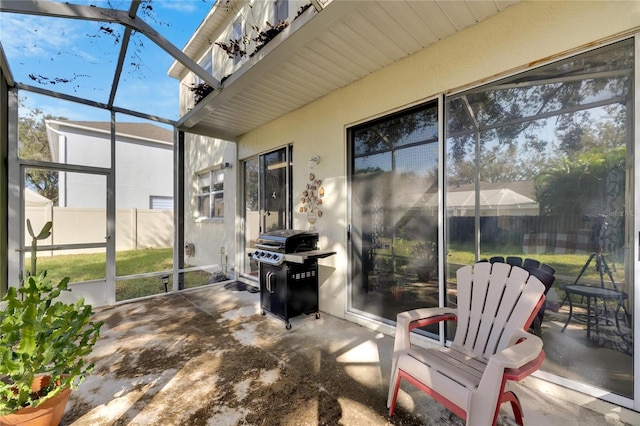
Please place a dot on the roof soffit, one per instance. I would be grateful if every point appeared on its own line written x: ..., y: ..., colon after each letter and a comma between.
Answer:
x: 325, y: 51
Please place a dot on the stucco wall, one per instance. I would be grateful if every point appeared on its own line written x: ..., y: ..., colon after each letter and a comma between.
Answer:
x: 520, y: 37
x: 253, y: 19
x: 208, y: 237
x: 144, y: 169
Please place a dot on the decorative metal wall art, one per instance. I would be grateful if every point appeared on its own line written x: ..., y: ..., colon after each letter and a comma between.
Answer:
x: 311, y: 199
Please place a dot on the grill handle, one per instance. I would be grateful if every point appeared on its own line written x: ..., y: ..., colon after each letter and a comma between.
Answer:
x: 269, y: 276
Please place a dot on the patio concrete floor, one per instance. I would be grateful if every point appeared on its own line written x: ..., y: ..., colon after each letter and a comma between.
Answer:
x: 208, y: 357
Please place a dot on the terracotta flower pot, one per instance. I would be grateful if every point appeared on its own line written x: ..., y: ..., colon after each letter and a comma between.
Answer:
x: 424, y: 273
x: 49, y: 413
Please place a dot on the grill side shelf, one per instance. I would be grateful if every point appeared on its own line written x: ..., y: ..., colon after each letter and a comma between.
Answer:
x: 305, y: 255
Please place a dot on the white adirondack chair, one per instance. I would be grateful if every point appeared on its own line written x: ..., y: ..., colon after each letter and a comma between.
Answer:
x: 496, y: 304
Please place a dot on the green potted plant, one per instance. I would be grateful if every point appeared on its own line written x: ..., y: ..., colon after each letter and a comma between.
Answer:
x: 426, y: 258
x: 43, y: 342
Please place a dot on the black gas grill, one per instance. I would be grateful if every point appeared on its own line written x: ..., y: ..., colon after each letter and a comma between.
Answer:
x: 272, y: 247
x: 288, y: 261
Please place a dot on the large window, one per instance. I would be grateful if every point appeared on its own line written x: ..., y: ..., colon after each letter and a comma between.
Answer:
x: 207, y: 63
x: 540, y: 166
x: 394, y: 213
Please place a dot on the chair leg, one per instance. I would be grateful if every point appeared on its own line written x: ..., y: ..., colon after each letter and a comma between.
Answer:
x: 392, y: 407
x: 512, y: 398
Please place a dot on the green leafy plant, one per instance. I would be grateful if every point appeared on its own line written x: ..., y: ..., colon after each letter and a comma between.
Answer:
x: 40, y: 335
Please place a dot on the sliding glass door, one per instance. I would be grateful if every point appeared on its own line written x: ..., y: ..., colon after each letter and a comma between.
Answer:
x: 393, y: 179
x: 541, y: 166
x: 266, y: 198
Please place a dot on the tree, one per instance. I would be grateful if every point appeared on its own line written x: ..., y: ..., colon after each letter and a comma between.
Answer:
x: 575, y: 97
x: 498, y: 163
x: 34, y: 145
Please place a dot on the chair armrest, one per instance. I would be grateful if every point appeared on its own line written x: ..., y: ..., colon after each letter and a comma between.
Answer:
x: 408, y: 320
x: 527, y: 348
x: 512, y: 363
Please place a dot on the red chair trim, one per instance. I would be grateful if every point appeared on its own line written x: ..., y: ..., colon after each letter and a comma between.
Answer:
x: 432, y: 320
x: 514, y: 374
x: 534, y: 314
x: 435, y: 395
x: 517, y: 374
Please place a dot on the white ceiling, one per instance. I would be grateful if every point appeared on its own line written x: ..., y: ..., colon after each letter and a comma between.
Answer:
x: 343, y: 43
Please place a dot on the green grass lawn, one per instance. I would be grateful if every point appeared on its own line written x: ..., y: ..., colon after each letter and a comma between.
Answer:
x: 87, y: 267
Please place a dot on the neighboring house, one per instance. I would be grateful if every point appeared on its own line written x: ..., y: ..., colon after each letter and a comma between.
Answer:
x: 144, y: 158
x: 385, y: 103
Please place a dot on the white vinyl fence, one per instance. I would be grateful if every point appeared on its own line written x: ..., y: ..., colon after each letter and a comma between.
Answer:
x: 135, y: 228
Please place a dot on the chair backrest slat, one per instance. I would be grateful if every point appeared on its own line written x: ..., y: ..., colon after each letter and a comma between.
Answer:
x: 494, y: 301
x: 479, y: 291
x: 506, y: 315
x: 532, y: 291
x: 497, y: 278
x: 464, y: 275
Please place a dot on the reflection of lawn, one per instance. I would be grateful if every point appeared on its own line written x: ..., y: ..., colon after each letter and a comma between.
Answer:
x: 567, y: 266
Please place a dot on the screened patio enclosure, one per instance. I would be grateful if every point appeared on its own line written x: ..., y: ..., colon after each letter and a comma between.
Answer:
x: 430, y: 156
x: 93, y: 148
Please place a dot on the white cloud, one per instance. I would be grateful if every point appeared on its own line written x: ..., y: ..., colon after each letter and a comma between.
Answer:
x: 180, y: 6
x: 33, y: 36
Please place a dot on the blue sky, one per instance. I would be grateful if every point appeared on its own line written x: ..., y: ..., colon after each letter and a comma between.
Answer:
x: 79, y: 57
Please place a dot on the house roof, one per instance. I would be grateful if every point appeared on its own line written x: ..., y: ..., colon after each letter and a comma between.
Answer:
x: 32, y: 198
x: 320, y: 52
x: 209, y: 29
x: 146, y: 131
x: 490, y: 198
x: 525, y: 188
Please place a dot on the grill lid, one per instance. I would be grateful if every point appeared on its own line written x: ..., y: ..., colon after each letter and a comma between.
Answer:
x: 288, y: 241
